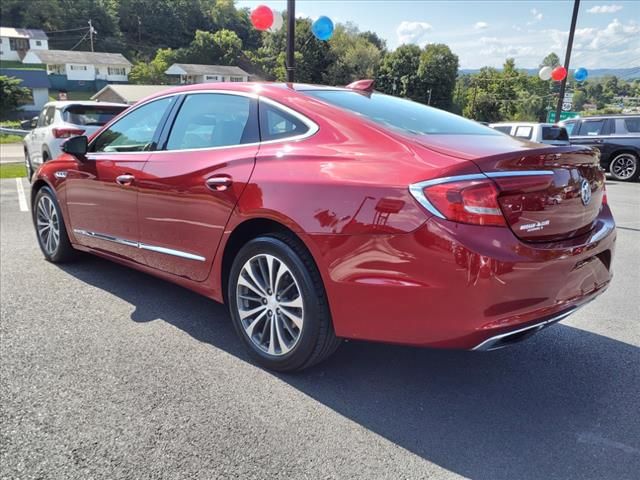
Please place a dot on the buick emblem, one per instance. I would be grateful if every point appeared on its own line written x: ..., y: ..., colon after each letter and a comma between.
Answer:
x: 585, y: 192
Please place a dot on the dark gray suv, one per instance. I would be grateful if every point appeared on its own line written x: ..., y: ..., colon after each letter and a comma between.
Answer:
x: 616, y: 136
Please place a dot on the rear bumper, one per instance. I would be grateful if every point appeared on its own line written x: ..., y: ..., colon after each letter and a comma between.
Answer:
x: 449, y: 285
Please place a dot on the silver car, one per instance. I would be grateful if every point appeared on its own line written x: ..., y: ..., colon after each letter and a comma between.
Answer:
x: 59, y: 121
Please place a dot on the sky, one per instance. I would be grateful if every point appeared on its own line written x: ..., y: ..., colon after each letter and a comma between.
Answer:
x: 484, y: 33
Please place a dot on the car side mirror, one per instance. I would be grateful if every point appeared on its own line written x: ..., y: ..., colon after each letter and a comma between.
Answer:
x: 76, y: 146
x: 34, y: 122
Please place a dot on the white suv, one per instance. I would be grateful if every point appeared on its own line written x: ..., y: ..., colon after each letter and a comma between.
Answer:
x: 60, y: 120
x: 549, y: 133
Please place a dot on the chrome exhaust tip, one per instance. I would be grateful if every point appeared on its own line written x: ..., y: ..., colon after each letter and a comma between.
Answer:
x: 506, y: 339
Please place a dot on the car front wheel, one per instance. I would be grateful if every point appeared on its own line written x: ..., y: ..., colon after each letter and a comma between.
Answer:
x: 28, y: 165
x: 624, y: 167
x: 278, y: 304
x: 50, y: 230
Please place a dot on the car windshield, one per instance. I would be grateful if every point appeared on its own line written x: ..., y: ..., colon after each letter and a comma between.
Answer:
x: 402, y: 114
x: 90, y: 115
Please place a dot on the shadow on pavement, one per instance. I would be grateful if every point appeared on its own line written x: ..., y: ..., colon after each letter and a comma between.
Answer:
x: 563, y: 405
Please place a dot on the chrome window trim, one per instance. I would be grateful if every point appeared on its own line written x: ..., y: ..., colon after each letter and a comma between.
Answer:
x: 417, y: 189
x: 312, y: 126
x: 142, y: 246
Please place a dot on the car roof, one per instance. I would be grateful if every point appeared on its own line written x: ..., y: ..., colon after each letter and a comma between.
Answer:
x: 522, y: 124
x: 66, y: 103
x: 270, y: 89
x: 604, y: 117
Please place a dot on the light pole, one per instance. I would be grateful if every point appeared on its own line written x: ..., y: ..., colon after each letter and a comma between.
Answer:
x: 291, y: 40
x: 567, y: 58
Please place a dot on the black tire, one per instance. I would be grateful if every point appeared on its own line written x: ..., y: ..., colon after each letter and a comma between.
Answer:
x: 63, y: 250
x: 27, y: 163
x: 625, y: 167
x: 316, y: 338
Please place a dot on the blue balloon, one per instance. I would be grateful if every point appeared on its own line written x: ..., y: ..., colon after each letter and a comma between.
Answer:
x: 581, y: 74
x: 322, y: 28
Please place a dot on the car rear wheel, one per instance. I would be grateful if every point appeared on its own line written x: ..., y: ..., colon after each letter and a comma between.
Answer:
x: 624, y: 167
x: 278, y: 304
x: 50, y: 230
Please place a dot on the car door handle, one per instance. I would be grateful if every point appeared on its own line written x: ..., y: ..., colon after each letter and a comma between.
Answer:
x: 125, y: 180
x: 218, y: 184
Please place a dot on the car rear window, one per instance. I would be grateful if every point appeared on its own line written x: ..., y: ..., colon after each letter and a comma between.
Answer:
x: 523, y: 132
x: 554, y: 133
x: 401, y: 114
x: 90, y: 115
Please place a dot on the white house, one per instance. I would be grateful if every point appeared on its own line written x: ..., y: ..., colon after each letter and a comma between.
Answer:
x: 186, y: 73
x: 69, y: 69
x: 36, y: 82
x: 16, y: 42
x: 127, y: 93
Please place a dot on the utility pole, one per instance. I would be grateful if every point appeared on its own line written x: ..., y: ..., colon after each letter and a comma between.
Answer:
x: 91, y: 34
x: 429, y: 100
x: 567, y: 58
x: 139, y: 33
x: 291, y: 38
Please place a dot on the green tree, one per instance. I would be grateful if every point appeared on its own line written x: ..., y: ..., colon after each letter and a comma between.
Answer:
x: 398, y: 74
x: 551, y: 60
x: 355, y: 56
x: 12, y: 93
x: 437, y: 72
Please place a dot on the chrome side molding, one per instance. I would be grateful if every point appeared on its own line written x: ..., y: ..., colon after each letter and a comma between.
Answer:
x: 143, y: 246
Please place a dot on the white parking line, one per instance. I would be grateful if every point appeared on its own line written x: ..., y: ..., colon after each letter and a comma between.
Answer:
x: 22, y: 200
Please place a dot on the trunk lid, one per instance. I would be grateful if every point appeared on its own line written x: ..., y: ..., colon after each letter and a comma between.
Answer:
x: 546, y: 193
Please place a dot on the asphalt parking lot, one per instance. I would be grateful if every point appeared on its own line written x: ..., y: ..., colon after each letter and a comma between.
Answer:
x: 109, y: 373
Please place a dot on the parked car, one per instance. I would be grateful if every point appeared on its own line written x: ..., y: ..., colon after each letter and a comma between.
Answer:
x: 616, y: 137
x: 319, y: 213
x: 60, y: 120
x: 549, y: 133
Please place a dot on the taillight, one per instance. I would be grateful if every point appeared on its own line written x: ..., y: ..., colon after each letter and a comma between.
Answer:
x: 67, y: 132
x: 467, y: 201
x: 605, y: 201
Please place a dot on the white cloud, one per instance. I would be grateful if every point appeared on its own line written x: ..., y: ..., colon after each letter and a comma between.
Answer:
x: 413, y: 32
x: 537, y: 16
x: 481, y: 25
x: 605, y: 9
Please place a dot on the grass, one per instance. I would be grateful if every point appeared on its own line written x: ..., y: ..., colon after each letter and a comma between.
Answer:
x: 4, y: 138
x: 20, y: 65
x: 12, y: 170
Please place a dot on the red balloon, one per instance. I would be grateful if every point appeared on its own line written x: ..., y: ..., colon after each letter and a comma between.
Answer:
x: 559, y: 73
x: 262, y: 17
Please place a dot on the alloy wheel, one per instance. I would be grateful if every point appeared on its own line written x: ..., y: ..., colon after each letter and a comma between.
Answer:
x: 270, y: 305
x: 624, y: 166
x: 47, y: 225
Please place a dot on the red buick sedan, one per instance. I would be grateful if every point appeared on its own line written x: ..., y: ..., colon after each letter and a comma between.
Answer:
x: 318, y: 214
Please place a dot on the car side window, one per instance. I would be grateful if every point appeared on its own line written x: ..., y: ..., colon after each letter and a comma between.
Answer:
x: 590, y: 128
x: 632, y: 124
x: 523, y: 132
x: 41, y: 117
x: 49, y: 115
x: 135, y: 131
x: 209, y: 120
x: 276, y: 124
x: 569, y: 127
x: 506, y: 130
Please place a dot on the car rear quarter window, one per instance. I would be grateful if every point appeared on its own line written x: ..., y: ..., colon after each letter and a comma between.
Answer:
x: 632, y: 124
x: 401, y: 114
x: 209, y: 120
x: 90, y: 115
x: 276, y: 124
